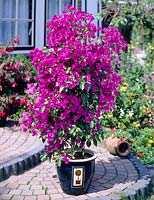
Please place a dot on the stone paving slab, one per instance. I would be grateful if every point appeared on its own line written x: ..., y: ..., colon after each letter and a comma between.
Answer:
x: 114, y: 177
x: 41, y: 182
x: 18, y: 151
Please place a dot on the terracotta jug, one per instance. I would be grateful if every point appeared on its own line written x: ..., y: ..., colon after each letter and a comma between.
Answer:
x: 117, y: 146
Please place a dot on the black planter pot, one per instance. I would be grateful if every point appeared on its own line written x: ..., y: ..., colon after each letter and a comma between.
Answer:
x: 76, y: 176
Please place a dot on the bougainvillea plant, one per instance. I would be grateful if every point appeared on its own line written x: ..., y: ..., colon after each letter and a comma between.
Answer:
x: 75, y: 82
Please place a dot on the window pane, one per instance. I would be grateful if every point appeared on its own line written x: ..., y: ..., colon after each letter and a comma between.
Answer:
x: 8, y: 31
x: 7, y: 8
x: 25, y: 33
x: 52, y: 8
x: 65, y: 3
x: 24, y: 9
x: 56, y: 7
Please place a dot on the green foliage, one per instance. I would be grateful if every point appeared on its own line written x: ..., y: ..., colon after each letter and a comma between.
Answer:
x: 134, y: 107
x: 135, y: 20
x: 133, y: 115
x: 135, y: 15
x: 143, y: 145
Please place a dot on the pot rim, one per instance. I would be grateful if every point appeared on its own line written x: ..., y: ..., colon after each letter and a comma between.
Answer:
x: 91, y: 152
x: 126, y: 152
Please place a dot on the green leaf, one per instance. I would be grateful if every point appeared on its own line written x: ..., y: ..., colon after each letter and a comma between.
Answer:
x: 61, y: 89
x: 43, y: 109
x: 43, y: 157
x: 95, y: 142
x: 88, y: 143
x: 82, y: 84
x: 76, y: 148
x: 84, y: 98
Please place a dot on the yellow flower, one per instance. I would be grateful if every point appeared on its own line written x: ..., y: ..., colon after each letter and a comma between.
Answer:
x: 131, y: 94
x: 150, y: 141
x: 125, y: 84
x: 131, y: 46
x: 146, y: 87
x: 124, y: 127
x: 150, y: 47
x: 123, y: 88
x: 136, y: 124
x: 110, y: 115
x: 145, y: 97
x: 149, y: 145
x: 146, y: 120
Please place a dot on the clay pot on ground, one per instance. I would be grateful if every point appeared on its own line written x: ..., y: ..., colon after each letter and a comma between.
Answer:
x: 117, y: 146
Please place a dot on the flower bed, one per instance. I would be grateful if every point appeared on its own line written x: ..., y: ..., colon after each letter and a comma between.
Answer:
x: 133, y: 115
x: 15, y: 73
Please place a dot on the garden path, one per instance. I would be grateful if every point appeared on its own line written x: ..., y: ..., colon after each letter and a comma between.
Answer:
x: 114, y: 177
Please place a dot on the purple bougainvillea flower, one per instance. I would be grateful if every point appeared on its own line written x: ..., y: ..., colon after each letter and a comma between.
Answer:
x: 75, y: 83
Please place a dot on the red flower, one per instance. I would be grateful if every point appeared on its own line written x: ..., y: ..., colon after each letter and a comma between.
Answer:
x: 140, y: 153
x: 10, y: 49
x: 112, y: 129
x: 2, y: 51
x: 14, y: 84
x: 16, y: 40
x: 23, y: 102
x: 2, y: 114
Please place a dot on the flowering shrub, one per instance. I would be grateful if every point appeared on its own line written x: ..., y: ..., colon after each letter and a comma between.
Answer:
x: 14, y: 75
x: 133, y: 117
x: 134, y: 105
x: 75, y: 83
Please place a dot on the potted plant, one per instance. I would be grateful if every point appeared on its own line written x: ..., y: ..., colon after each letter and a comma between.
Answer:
x: 75, y: 82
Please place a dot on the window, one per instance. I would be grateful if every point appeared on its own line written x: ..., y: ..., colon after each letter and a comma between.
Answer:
x: 17, y: 20
x: 28, y: 19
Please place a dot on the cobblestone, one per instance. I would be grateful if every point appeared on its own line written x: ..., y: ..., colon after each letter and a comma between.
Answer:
x: 18, y: 151
x: 114, y: 177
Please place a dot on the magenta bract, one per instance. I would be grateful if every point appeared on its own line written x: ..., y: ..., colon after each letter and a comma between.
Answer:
x: 75, y: 83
